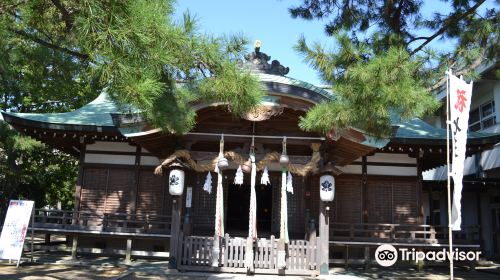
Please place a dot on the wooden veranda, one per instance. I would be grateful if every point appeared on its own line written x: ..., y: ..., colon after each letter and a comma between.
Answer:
x: 350, y: 243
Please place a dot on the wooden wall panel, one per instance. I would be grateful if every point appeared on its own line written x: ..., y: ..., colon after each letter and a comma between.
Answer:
x: 348, y: 200
x: 405, y: 203
x: 379, y: 202
x: 151, y: 194
x: 120, y: 185
x: 203, y: 209
x: 392, y: 200
x: 295, y: 206
x: 110, y: 190
x: 93, y: 192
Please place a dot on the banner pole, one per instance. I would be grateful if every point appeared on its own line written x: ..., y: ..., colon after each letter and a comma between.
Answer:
x: 32, y: 230
x: 448, y: 184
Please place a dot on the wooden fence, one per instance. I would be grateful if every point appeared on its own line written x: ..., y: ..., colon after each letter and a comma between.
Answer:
x: 196, y: 254
x: 59, y: 220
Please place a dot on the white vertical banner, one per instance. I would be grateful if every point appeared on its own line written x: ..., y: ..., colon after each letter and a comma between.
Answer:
x: 14, y: 229
x: 460, y: 98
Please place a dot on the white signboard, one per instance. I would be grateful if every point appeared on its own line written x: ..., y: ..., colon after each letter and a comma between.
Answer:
x: 14, y: 229
x: 189, y: 197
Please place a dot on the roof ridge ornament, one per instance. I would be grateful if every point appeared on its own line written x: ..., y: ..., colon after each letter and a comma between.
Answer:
x: 259, y: 61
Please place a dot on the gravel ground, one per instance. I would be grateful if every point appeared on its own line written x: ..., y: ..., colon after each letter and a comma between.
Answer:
x: 52, y: 266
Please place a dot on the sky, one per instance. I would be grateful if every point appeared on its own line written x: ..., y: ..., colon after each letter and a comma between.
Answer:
x: 264, y: 20
x: 270, y: 22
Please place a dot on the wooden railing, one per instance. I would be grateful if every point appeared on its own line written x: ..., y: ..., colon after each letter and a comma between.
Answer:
x: 103, y: 222
x: 403, y: 233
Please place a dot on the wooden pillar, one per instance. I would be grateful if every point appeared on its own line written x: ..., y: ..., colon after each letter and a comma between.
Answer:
x: 128, y: 252
x: 324, y: 226
x: 479, y: 217
x: 420, y: 205
x: 367, y: 257
x: 175, y: 228
x: 364, y: 190
x: 431, y: 207
x: 135, y: 189
x: 79, y: 182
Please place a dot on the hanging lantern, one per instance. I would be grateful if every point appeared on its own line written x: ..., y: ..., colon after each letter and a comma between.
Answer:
x: 247, y: 166
x: 326, y: 187
x: 176, y: 180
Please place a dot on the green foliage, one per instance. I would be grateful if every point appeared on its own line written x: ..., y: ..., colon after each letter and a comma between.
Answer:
x: 31, y: 170
x: 376, y: 90
x: 158, y: 66
x: 57, y: 55
x: 134, y: 49
x: 382, y: 63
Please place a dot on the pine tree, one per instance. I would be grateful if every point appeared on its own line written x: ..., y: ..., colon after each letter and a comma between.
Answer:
x: 132, y: 49
x: 383, y: 65
x: 57, y: 55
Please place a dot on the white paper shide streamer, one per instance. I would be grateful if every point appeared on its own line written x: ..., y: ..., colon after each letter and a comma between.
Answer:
x: 238, y: 178
x: 264, y: 180
x: 460, y: 98
x: 289, y: 183
x: 208, y: 183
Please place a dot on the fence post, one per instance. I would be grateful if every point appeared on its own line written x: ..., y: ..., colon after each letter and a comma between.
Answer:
x: 128, y: 252
x: 74, y: 248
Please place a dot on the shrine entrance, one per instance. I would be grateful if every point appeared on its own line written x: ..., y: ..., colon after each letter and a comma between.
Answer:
x: 238, y: 203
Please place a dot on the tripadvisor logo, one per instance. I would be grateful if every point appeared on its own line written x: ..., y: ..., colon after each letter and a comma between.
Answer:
x: 387, y: 255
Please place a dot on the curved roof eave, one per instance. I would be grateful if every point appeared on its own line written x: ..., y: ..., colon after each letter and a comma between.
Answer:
x: 16, y: 120
x: 416, y: 131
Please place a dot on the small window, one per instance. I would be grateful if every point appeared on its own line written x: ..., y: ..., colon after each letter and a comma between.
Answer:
x: 482, y: 117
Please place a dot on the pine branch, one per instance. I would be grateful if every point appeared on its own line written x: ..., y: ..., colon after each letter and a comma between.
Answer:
x: 462, y: 71
x: 35, y: 39
x: 66, y: 16
x: 452, y: 19
x: 10, y: 7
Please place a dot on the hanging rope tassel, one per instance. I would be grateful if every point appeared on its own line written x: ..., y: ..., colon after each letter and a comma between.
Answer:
x: 208, y: 183
x: 238, y: 178
x: 284, y: 208
x: 264, y: 180
x: 219, y: 200
x: 252, y: 219
x: 289, y: 184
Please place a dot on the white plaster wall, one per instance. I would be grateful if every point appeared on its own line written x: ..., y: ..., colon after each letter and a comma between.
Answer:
x: 110, y: 159
x: 350, y: 169
x: 391, y: 170
x: 391, y: 158
x: 150, y: 161
x: 111, y: 147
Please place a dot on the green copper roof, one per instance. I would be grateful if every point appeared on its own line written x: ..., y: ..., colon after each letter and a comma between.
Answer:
x: 96, y: 113
x: 417, y: 129
x: 294, y: 82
